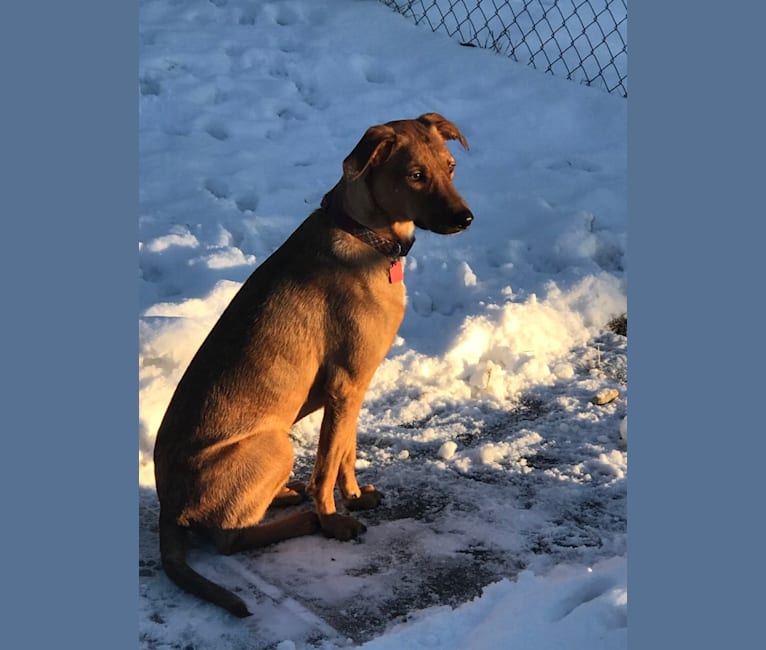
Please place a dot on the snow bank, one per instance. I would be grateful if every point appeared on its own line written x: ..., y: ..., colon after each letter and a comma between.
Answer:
x: 572, y: 607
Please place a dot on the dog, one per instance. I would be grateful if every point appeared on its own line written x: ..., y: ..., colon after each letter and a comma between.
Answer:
x: 306, y: 330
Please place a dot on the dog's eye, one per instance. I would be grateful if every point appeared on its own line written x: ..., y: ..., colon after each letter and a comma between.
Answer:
x: 417, y: 176
x: 451, y: 165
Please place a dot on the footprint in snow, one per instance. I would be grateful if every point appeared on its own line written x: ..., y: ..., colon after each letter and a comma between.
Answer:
x: 217, y: 130
x: 235, y: 234
x: 149, y: 86
x: 370, y: 70
x: 218, y: 188
x: 278, y: 71
x: 150, y: 273
x: 176, y: 128
x: 376, y: 74
x: 148, y: 38
x: 573, y: 164
x: 240, y: 58
x: 247, y: 202
x: 288, y: 47
x: 285, y: 17
x: 247, y: 19
x: 290, y: 114
x: 311, y: 96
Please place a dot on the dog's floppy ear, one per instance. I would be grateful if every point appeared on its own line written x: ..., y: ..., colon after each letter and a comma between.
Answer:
x: 444, y: 127
x: 374, y: 148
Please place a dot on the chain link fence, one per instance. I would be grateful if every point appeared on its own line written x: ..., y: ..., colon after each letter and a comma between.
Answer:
x: 582, y: 40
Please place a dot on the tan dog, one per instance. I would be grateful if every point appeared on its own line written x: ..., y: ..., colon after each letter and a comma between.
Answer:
x: 306, y: 330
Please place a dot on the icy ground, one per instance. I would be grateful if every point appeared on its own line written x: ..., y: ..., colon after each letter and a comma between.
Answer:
x: 504, y: 483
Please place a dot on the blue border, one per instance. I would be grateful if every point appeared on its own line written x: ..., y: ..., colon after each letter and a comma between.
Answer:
x: 69, y: 206
x: 695, y: 346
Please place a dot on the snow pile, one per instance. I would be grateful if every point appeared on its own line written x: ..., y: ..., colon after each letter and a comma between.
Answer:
x: 571, y: 608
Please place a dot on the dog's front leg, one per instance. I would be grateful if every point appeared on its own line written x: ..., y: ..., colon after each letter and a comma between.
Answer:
x: 355, y: 497
x: 337, y: 444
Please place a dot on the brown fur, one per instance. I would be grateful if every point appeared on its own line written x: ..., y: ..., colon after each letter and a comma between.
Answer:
x: 307, y: 330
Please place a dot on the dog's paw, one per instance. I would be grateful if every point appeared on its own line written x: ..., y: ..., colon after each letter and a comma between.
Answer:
x: 368, y: 499
x: 291, y: 494
x: 341, y: 527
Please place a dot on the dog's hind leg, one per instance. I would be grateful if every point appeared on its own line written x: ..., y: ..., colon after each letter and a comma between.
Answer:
x: 260, y: 480
x: 291, y: 494
x: 367, y: 499
x: 234, y: 540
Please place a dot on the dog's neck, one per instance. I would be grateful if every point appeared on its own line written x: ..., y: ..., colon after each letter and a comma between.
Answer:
x: 385, y: 240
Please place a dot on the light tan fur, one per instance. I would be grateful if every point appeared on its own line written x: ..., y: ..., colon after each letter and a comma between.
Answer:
x: 306, y: 331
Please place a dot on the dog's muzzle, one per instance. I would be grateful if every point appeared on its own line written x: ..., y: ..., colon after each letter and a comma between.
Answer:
x: 448, y: 225
x: 463, y: 219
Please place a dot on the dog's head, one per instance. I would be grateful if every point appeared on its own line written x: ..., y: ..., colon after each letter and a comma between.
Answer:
x: 407, y: 171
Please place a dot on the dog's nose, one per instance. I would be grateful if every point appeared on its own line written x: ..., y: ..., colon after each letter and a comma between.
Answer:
x: 463, y: 219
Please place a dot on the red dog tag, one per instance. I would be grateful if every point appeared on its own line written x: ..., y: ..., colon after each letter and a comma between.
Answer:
x: 396, y: 272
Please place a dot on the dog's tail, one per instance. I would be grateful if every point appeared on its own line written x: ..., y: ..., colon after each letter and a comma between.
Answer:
x: 173, y: 553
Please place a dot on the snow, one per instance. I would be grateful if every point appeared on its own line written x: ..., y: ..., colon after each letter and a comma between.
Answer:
x: 567, y: 609
x: 504, y: 521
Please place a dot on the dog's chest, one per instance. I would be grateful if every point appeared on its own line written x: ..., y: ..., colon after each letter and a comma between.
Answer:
x: 391, y: 305
x: 387, y: 305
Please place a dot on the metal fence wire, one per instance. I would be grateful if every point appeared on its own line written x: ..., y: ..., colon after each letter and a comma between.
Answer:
x: 582, y: 40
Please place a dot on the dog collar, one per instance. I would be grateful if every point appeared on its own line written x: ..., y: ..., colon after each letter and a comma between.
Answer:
x: 387, y: 247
